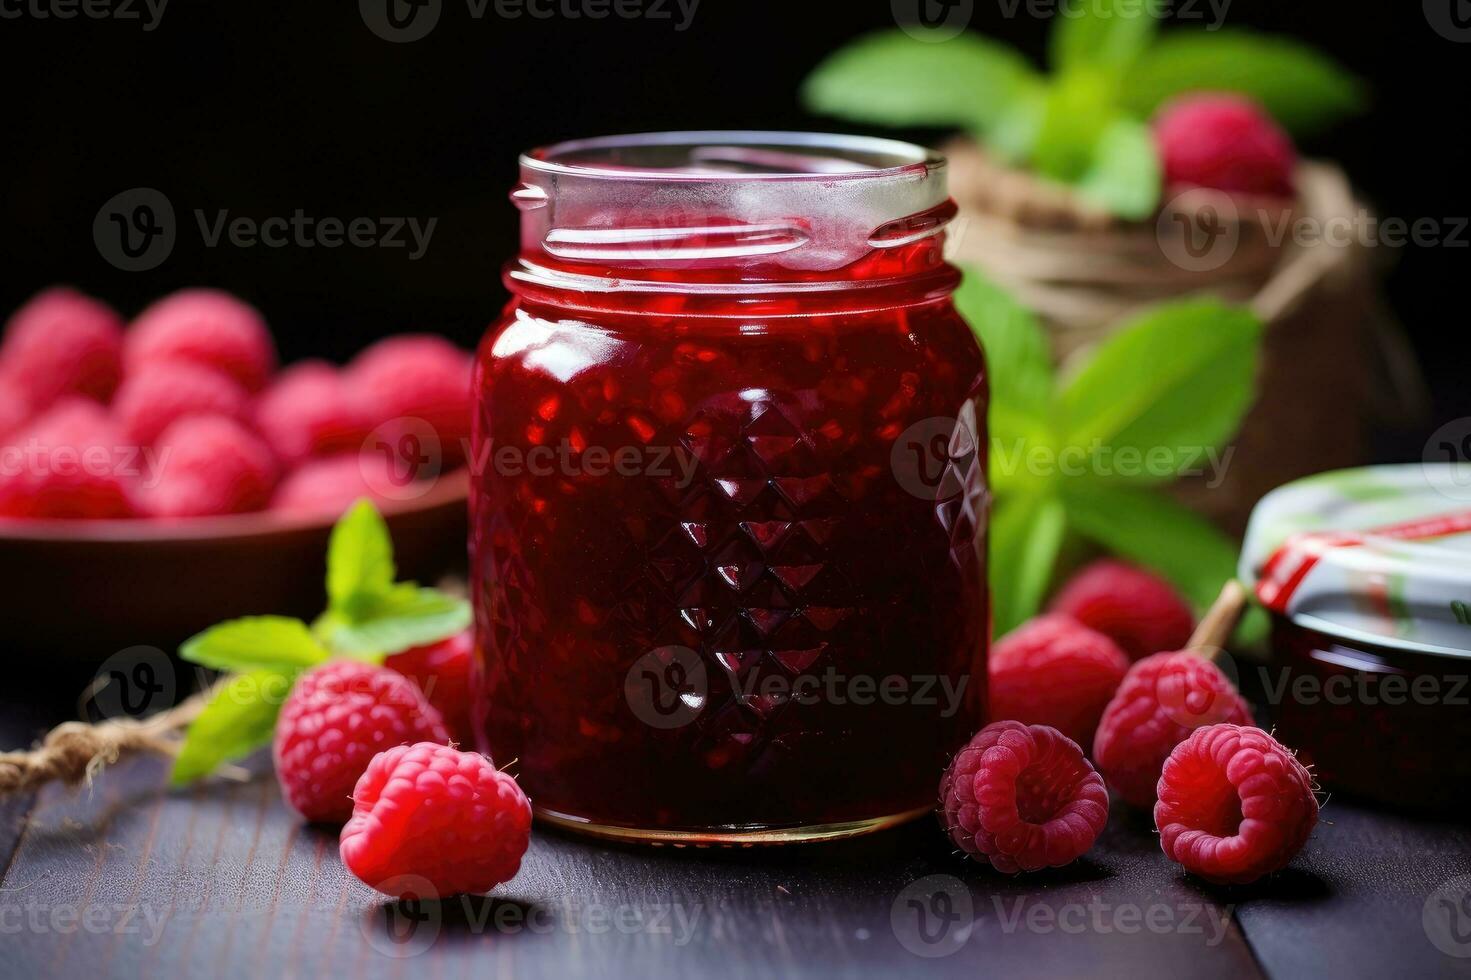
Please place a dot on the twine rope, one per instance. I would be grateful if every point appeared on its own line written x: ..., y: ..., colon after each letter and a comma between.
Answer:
x: 75, y: 752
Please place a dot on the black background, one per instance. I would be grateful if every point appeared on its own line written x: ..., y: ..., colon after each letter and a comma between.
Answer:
x: 265, y: 108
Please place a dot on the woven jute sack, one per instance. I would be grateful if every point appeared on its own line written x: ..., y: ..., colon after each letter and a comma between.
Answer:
x: 1335, y: 369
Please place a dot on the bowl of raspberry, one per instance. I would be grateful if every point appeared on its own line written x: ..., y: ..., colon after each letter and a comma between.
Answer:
x: 159, y: 475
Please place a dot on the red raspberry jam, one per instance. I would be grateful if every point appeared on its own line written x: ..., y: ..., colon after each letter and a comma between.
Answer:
x: 729, y: 507
x: 1373, y: 721
x: 1367, y: 574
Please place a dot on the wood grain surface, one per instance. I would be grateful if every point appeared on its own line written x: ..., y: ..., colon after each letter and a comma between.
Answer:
x: 132, y: 879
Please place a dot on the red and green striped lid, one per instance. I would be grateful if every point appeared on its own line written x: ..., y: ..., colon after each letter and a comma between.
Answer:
x: 1380, y: 554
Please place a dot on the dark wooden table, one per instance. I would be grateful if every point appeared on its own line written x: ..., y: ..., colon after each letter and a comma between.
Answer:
x: 132, y: 879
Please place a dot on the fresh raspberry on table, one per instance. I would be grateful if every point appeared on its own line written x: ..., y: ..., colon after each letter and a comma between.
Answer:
x: 1023, y: 798
x: 158, y: 395
x: 1234, y: 804
x: 1225, y: 142
x: 307, y: 411
x: 208, y: 465
x: 1138, y: 610
x: 431, y: 817
x: 442, y: 671
x: 328, y: 487
x: 1161, y: 701
x: 70, y: 463
x: 415, y: 377
x: 62, y: 343
x: 337, y: 717
x: 1055, y: 671
x: 204, y: 326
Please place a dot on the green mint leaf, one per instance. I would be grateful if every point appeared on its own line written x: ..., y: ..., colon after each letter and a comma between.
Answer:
x: 1025, y: 538
x: 1124, y: 174
x: 255, y: 642
x: 1019, y: 372
x: 1018, y: 359
x: 408, y: 616
x: 1012, y: 134
x: 1107, y: 34
x: 239, y: 719
x: 1167, y: 389
x: 1302, y: 89
x: 1146, y: 527
x: 1077, y: 111
x: 359, y: 559
x: 896, y: 79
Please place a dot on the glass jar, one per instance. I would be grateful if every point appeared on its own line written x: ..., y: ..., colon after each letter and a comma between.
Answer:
x: 728, y: 522
x: 1367, y: 575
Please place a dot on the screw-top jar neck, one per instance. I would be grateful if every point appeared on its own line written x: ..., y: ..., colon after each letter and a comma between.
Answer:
x: 748, y: 213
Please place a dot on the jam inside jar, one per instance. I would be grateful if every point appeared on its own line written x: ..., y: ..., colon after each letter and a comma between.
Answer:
x: 1367, y: 575
x: 729, y: 511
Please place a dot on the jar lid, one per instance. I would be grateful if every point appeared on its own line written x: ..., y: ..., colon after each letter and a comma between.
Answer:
x: 1380, y: 554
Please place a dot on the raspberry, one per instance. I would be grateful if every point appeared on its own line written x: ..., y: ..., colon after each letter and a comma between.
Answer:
x: 1233, y: 804
x: 1023, y: 797
x: 327, y: 487
x: 1224, y: 142
x: 1055, y: 671
x: 15, y: 408
x: 337, y: 717
x: 1161, y: 701
x: 204, y: 326
x: 307, y: 412
x: 431, y: 818
x: 442, y: 671
x: 1139, y: 611
x: 61, y: 343
x: 208, y: 465
x: 68, y: 464
x: 159, y: 394
x: 416, y: 376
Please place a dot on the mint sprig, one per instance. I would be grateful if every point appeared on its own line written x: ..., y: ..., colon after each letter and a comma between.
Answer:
x: 368, y: 616
x: 1169, y: 387
x: 1083, y: 125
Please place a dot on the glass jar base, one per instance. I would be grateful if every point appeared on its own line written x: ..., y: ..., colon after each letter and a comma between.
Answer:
x: 728, y: 836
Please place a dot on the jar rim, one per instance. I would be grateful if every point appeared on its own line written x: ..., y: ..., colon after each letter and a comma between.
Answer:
x: 828, y: 156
